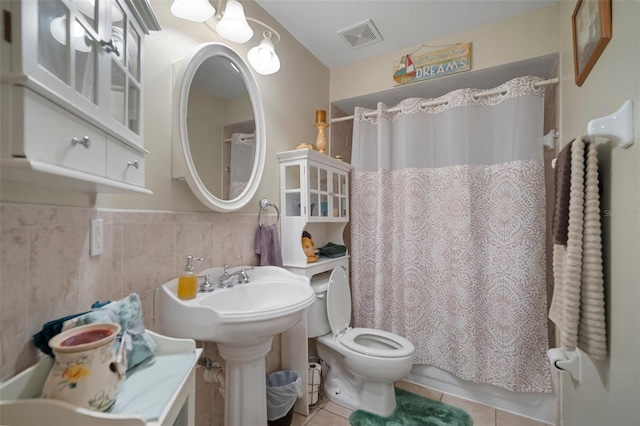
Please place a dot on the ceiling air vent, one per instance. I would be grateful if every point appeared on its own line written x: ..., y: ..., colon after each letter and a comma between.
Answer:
x: 361, y: 35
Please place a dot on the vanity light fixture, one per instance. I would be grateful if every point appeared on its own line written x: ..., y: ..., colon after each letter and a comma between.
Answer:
x: 232, y: 25
x: 263, y: 57
x: 193, y: 10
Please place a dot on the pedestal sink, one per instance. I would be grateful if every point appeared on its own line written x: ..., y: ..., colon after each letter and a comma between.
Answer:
x: 242, y: 320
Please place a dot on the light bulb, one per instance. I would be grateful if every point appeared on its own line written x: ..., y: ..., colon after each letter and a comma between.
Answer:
x: 264, y: 55
x: 263, y: 58
x: 193, y: 10
x: 233, y: 26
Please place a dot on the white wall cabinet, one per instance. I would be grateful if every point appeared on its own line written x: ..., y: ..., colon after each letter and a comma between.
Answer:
x: 314, y: 196
x: 72, y: 112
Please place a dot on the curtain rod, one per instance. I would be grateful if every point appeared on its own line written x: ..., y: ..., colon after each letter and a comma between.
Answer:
x: 444, y: 101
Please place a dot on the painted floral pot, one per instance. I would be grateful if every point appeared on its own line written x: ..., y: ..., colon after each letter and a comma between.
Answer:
x: 85, y: 372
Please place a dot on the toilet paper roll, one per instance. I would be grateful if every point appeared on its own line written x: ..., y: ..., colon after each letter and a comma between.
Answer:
x: 315, y: 373
x: 555, y: 354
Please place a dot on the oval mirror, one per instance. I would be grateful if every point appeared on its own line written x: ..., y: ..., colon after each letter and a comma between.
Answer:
x: 220, y: 128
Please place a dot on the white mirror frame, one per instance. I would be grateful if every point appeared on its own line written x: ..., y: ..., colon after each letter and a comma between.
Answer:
x: 183, y: 82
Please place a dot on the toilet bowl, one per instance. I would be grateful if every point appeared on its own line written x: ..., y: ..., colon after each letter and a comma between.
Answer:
x: 361, y: 364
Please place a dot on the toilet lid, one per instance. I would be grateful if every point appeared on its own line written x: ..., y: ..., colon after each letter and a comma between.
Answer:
x: 339, y: 301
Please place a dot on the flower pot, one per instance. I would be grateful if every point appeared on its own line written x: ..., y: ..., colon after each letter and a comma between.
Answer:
x: 85, y: 372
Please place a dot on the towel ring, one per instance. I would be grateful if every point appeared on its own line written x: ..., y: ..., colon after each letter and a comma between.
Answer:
x: 264, y: 203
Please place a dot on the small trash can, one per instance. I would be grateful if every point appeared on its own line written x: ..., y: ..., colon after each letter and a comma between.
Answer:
x: 283, y: 388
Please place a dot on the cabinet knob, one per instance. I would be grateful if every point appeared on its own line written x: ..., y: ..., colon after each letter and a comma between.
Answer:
x: 133, y: 163
x: 85, y: 141
x: 110, y: 46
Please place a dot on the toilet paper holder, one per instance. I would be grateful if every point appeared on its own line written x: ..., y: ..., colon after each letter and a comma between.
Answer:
x: 570, y: 363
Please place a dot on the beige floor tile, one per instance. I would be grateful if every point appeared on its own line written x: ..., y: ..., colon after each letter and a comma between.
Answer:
x: 482, y: 415
x: 419, y: 390
x: 337, y: 409
x: 300, y: 420
x: 327, y: 418
x: 504, y: 418
x: 315, y: 408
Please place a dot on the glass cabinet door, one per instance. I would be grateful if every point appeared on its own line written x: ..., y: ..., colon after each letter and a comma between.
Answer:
x: 292, y: 190
x: 123, y: 47
x: 319, y: 194
x: 84, y: 47
x: 313, y: 208
x: 92, y: 47
x: 66, y: 43
x: 324, y: 193
x: 339, y: 197
x: 53, y: 38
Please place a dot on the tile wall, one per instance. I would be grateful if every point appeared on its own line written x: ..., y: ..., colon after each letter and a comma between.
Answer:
x: 46, y: 271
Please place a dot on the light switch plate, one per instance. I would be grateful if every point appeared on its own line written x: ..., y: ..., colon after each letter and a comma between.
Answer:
x: 97, y: 237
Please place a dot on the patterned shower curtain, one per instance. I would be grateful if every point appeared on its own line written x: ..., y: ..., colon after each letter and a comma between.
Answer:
x: 448, y: 232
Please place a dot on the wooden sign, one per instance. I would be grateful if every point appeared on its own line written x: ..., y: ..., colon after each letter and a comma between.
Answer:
x: 447, y: 61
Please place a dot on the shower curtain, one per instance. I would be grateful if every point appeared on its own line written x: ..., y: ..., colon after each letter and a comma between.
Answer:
x: 448, y: 232
x: 243, y: 150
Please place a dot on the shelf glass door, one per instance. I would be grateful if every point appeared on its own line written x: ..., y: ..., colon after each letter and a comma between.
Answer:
x: 313, y: 208
x: 339, y: 195
x: 86, y: 69
x: 124, y: 45
x: 53, y: 38
x: 292, y: 190
x: 344, y: 196
x: 66, y: 46
x: 85, y: 45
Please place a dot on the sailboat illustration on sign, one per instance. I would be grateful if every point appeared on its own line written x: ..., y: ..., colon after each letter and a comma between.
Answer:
x: 405, y: 72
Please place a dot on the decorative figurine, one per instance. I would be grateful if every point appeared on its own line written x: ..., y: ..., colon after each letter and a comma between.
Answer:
x: 309, y: 247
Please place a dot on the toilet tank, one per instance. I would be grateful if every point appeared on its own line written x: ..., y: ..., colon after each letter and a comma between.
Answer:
x: 317, y: 320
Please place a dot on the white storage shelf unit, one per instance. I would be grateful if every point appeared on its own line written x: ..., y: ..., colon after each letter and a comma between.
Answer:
x: 21, y: 405
x: 314, y: 195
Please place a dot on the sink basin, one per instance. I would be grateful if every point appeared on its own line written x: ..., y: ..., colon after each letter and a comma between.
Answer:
x: 242, y: 320
x: 272, y: 302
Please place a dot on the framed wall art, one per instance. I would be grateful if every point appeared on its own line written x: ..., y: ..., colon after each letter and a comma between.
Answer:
x: 591, y: 24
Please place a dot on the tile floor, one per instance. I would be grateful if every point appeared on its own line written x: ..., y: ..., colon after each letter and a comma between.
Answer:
x: 326, y: 413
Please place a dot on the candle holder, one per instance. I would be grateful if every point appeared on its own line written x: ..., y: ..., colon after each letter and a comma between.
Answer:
x: 321, y: 140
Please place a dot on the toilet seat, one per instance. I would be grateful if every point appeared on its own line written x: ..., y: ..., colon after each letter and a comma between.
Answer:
x: 381, y: 344
x: 387, y: 345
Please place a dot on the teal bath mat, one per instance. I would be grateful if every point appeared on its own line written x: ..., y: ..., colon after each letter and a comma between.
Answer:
x: 414, y: 410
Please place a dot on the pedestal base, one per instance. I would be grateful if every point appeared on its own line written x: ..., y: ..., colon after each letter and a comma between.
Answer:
x: 246, y: 395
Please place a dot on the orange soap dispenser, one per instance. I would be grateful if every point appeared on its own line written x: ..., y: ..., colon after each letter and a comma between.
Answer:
x: 188, y: 282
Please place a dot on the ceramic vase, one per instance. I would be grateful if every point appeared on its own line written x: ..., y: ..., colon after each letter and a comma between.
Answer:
x: 86, y: 372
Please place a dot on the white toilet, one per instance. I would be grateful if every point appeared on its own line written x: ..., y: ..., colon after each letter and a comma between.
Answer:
x: 362, y: 363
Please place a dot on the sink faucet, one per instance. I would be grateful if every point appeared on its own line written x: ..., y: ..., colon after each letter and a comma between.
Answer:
x: 207, y: 285
x: 226, y: 279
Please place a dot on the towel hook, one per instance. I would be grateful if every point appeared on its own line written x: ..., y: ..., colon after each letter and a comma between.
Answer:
x: 617, y: 126
x: 264, y: 203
